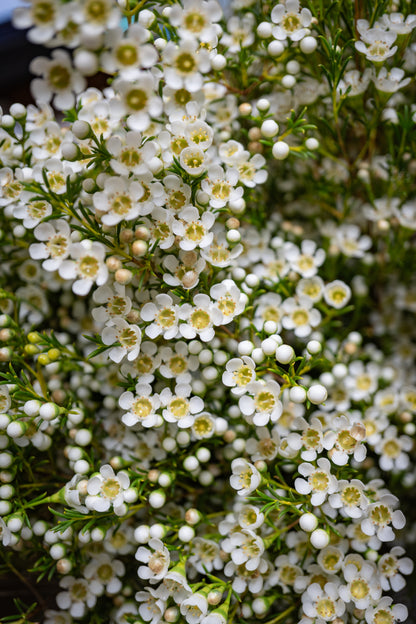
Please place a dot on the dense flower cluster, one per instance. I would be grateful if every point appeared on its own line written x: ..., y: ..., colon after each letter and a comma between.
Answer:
x: 207, y: 335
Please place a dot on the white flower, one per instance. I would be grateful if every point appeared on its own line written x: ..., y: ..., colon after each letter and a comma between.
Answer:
x: 205, y: 555
x: 57, y: 235
x: 391, y: 449
x: 162, y: 314
x: 86, y: 267
x: 119, y: 200
x: 310, y: 287
x: 350, y: 498
x: 194, y: 608
x: 183, y: 64
x: 152, y: 606
x: 398, y: 24
x: 193, y: 229
x: 267, y: 445
x: 345, y: 438
x: 292, y: 21
x: 218, y: 253
x: 177, y: 361
x: 390, y: 81
x: 106, y: 490
x: 362, y: 587
x: 59, y: 80
x: 80, y: 594
x: 323, y: 604
x: 183, y: 271
x: 32, y: 211
x: 337, y: 294
x: 126, y: 52
x: 220, y: 186
x: 264, y: 405
x: 239, y: 372
x: 228, y: 299
x: 142, y: 406
x: 250, y: 170
x: 379, y: 44
x: 128, y: 336
x: 156, y: 558
x: 387, y: 612
x: 193, y: 160
x: 117, y: 303
x: 392, y: 566
x: 137, y: 99
x: 196, y: 19
x: 268, y: 308
x: 362, y: 380
x: 199, y: 319
x: 239, y: 33
x: 300, y: 315
x: 307, y: 259
x: 161, y: 227
x: 178, y: 408
x: 105, y: 570
x: 130, y: 155
x: 380, y: 516
x: 245, y: 477
x: 354, y: 83
x: 320, y: 481
x: 245, y: 547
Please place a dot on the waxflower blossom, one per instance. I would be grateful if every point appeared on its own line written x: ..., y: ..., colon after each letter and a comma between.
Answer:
x: 245, y: 477
x: 58, y: 80
x: 86, y: 266
x: 264, y: 404
x: 106, y: 490
x: 156, y: 560
x: 292, y: 21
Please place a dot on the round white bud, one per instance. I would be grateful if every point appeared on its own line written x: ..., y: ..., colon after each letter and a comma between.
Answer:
x: 264, y: 30
x: 205, y: 356
x: 245, y: 347
x: 157, y: 530
x: 83, y: 437
x: 218, y: 62
x: 319, y: 539
x: 270, y: 327
x: 48, y: 411
x: 268, y: 346
x: 258, y: 355
x: 57, y: 551
x: 288, y: 81
x: 280, y: 150
x: 142, y: 534
x: 69, y: 151
x: 308, y: 45
x: 157, y: 499
x: 312, y: 143
x: 81, y: 466
x: 317, y: 394
x: 205, y: 477
x: 308, y: 522
x: 18, y: 111
x: 284, y: 354
x: 314, y: 347
x: 203, y: 454
x: 186, y: 533
x: 263, y: 104
x: 297, y: 394
x: 252, y: 280
x: 190, y: 463
x: 86, y: 62
x: 269, y: 128
x: 233, y: 236
x: 81, y: 129
x: 275, y: 48
x: 293, y: 67
x: 340, y: 371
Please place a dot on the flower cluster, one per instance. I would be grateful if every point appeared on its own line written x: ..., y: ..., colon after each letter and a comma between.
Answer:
x: 208, y: 375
